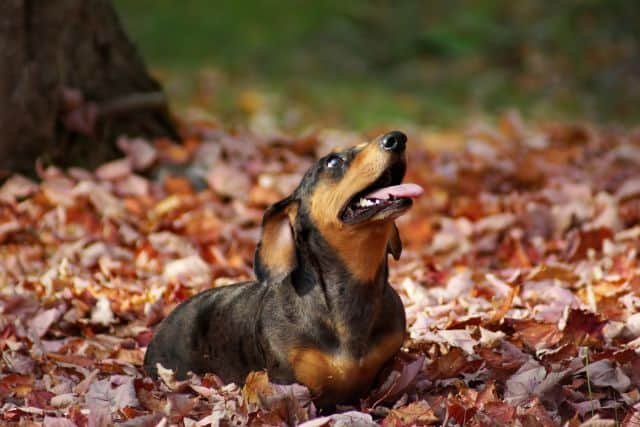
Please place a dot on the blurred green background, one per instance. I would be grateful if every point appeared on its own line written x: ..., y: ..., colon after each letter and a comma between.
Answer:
x: 367, y: 63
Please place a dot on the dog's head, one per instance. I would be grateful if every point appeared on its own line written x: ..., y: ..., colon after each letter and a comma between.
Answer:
x: 351, y: 198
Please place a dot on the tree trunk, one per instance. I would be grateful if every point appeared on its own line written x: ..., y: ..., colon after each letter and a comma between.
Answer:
x: 70, y: 83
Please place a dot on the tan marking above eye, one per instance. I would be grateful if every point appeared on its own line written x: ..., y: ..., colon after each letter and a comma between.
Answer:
x: 343, y: 375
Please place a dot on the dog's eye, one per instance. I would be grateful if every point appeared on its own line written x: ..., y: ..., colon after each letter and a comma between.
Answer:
x: 334, y: 162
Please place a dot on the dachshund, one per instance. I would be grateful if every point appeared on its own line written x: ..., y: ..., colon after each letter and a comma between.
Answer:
x: 321, y: 312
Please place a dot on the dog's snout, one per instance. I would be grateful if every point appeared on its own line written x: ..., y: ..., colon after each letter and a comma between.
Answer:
x: 395, y: 141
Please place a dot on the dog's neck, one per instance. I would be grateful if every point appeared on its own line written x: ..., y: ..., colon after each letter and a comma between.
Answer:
x: 362, y: 251
x: 354, y: 258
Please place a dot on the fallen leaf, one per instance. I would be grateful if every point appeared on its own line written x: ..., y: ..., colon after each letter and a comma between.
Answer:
x: 140, y: 153
x: 113, y: 393
x: 522, y: 385
x: 229, y: 182
x: 459, y: 338
x: 416, y: 414
x: 114, y: 170
x: 192, y: 271
x: 57, y: 422
x: 345, y: 419
x: 17, y: 187
x: 536, y: 335
x: 605, y: 373
x: 41, y: 323
x: 102, y: 313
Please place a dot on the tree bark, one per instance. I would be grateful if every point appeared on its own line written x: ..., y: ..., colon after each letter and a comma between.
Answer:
x: 70, y: 83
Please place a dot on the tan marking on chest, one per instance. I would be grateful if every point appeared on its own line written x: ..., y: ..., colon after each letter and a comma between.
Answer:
x: 362, y: 251
x: 340, y: 374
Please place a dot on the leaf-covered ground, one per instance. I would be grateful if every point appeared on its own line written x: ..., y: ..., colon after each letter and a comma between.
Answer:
x: 519, y: 277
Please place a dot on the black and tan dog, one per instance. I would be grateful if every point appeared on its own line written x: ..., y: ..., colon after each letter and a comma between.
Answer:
x: 321, y: 312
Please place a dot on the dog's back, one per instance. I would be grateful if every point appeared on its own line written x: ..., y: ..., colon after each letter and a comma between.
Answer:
x: 210, y: 332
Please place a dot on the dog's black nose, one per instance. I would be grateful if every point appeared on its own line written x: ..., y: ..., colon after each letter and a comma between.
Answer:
x: 393, y: 141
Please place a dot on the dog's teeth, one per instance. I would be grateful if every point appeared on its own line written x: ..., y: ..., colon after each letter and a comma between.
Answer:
x: 364, y: 202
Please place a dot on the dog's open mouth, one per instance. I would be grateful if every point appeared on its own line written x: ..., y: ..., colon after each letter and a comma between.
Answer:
x: 387, y: 197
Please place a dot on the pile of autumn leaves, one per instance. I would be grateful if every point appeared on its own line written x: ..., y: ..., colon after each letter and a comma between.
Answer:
x: 519, y: 277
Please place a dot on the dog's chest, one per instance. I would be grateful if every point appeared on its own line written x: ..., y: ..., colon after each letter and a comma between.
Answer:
x: 339, y: 374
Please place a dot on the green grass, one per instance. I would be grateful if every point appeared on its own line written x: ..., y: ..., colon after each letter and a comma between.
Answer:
x: 365, y: 63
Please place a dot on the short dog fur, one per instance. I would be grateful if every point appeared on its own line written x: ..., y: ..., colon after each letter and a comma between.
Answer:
x: 321, y: 312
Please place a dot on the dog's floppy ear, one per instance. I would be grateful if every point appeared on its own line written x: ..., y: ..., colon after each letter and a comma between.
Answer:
x: 394, y: 246
x: 276, y: 252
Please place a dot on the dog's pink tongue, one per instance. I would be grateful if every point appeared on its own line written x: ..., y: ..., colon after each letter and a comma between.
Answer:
x: 402, y: 190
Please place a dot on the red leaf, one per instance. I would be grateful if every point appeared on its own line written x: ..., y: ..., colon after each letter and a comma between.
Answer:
x: 459, y: 412
x: 580, y: 241
x: 536, y: 335
x: 39, y: 399
x: 451, y: 365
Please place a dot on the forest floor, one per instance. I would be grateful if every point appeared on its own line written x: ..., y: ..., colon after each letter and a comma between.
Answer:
x: 520, y: 278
